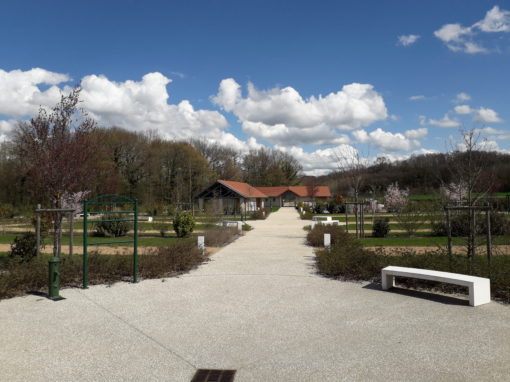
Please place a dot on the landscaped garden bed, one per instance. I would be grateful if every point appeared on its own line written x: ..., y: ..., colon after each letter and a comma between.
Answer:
x: 348, y: 259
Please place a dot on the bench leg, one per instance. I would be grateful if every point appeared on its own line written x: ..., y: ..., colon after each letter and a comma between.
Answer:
x: 479, y: 294
x: 388, y: 281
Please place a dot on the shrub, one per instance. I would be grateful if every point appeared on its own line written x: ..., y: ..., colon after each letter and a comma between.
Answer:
x: 381, y: 227
x: 260, y: 214
x: 24, y: 247
x: 112, y: 225
x: 247, y: 227
x: 355, y: 264
x: 345, y: 258
x: 220, y: 236
x: 500, y: 225
x: 319, y: 208
x: 178, y: 257
x: 306, y: 215
x: 183, y: 223
x: 315, y: 236
x: 19, y: 278
x: 6, y: 211
x: 336, y: 205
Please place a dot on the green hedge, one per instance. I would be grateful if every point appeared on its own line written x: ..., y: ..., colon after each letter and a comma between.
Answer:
x: 350, y: 262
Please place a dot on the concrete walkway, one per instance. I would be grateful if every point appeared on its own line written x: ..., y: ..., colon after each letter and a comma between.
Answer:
x: 257, y: 307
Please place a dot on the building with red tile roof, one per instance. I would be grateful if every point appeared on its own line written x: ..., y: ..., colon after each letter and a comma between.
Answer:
x: 235, y: 197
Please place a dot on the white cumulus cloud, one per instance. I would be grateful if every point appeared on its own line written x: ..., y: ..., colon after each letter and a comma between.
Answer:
x: 480, y: 115
x: 486, y: 115
x: 407, y: 40
x: 21, y: 95
x: 459, y: 38
x: 446, y: 121
x: 463, y: 109
x: 143, y: 105
x: 320, y: 161
x: 462, y: 97
x: 389, y: 142
x: 282, y: 116
x: 134, y: 105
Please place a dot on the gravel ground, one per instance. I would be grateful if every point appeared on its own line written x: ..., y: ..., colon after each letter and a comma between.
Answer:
x: 257, y: 307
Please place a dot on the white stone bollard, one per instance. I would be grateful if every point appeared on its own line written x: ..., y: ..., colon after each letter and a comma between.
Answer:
x: 240, y: 226
x: 201, y: 244
x: 327, y: 240
x: 149, y: 219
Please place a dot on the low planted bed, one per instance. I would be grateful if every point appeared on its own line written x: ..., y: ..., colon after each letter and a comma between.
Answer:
x: 348, y: 259
x: 19, y: 276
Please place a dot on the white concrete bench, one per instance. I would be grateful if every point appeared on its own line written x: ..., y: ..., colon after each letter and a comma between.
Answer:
x: 233, y: 223
x: 327, y: 222
x: 479, y: 287
x: 322, y: 218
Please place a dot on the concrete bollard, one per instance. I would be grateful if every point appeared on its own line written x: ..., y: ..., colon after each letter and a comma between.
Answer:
x: 327, y: 240
x: 201, y: 244
x: 240, y: 226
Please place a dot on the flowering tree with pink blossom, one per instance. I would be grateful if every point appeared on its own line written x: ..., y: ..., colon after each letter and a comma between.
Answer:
x: 454, y: 192
x: 395, y: 198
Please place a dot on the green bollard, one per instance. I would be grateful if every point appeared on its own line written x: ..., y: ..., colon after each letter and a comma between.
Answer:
x: 54, y: 279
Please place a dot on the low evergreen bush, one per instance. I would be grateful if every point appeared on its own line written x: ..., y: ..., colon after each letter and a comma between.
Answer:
x: 183, y: 223
x: 112, y: 225
x: 315, y: 236
x: 24, y: 247
x: 381, y: 227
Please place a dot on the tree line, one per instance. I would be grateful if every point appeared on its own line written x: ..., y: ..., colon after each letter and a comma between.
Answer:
x: 423, y: 174
x: 62, y: 151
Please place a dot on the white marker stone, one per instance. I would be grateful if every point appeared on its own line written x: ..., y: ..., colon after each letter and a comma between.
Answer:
x: 201, y: 243
x: 327, y: 240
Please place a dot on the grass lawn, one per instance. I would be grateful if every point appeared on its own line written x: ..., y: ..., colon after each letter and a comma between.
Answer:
x: 143, y: 240
x: 423, y: 241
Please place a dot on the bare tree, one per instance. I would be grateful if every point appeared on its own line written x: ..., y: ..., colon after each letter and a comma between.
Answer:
x: 57, y: 153
x: 469, y: 171
x: 352, y: 165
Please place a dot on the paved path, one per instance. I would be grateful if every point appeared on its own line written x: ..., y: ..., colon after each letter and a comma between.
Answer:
x: 259, y: 308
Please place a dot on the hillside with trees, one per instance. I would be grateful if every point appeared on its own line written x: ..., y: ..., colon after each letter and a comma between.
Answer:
x: 421, y: 174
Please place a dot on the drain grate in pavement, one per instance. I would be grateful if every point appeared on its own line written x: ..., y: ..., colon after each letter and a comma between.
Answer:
x: 214, y: 375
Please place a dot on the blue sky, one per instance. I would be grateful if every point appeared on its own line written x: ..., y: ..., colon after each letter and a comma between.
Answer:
x: 388, y: 78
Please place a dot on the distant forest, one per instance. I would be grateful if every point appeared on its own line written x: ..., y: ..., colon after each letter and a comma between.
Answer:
x: 421, y: 174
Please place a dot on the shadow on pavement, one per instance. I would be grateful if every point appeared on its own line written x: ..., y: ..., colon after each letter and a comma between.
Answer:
x: 443, y: 299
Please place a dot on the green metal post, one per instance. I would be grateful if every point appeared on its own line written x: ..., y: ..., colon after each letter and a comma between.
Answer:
x: 85, y: 243
x: 54, y: 279
x: 135, y: 244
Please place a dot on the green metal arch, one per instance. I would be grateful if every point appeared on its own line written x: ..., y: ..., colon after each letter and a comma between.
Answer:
x: 110, y: 198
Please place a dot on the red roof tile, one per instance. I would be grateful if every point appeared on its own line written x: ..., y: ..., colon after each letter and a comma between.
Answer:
x: 310, y: 191
x: 303, y: 191
x: 273, y: 191
x: 243, y: 189
x: 249, y: 191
